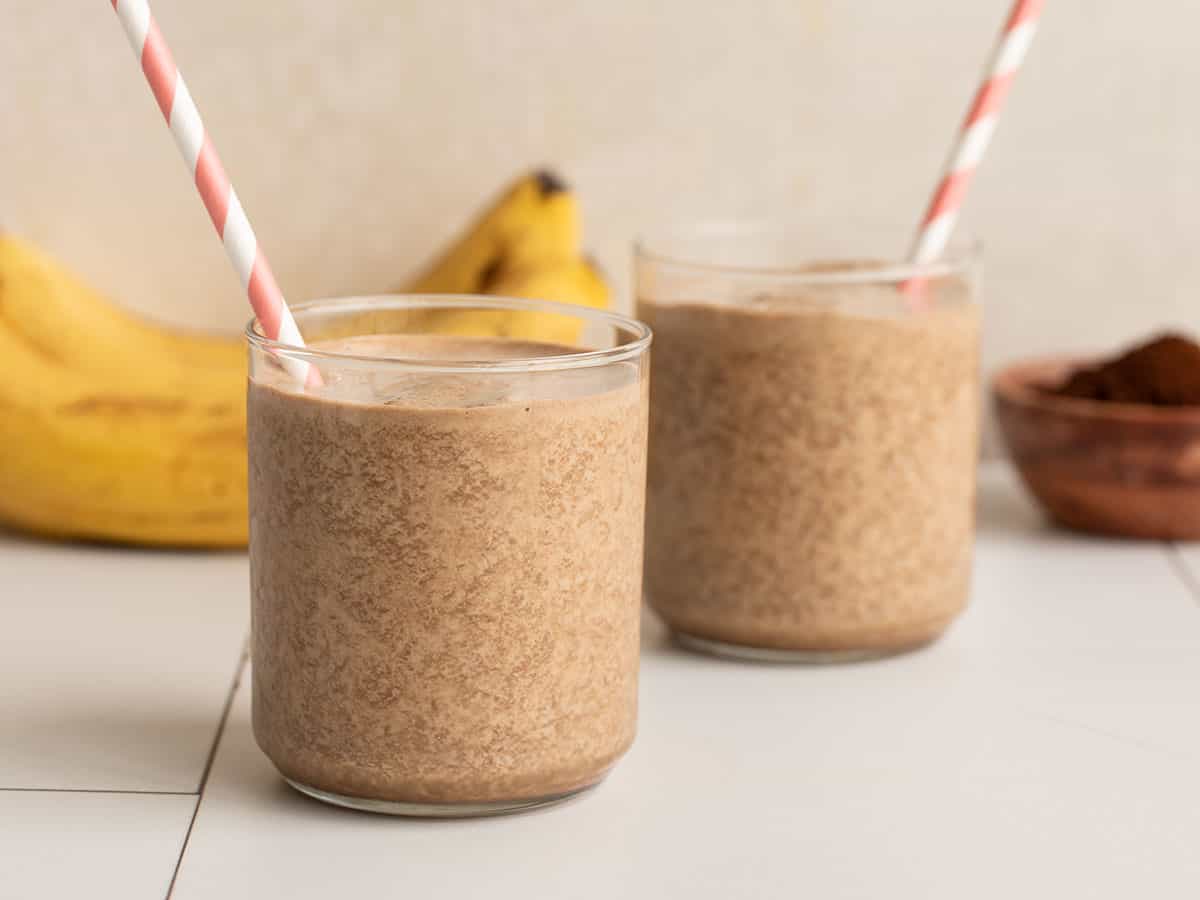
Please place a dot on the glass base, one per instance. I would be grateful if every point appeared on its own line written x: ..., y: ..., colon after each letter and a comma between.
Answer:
x: 778, y: 655
x: 435, y: 810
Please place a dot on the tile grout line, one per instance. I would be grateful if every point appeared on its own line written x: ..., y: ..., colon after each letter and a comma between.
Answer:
x: 38, y: 790
x: 1183, y: 570
x: 243, y: 658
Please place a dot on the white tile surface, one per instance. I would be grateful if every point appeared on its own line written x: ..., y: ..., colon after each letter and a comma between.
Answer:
x: 1049, y: 746
x: 57, y: 845
x: 114, y: 664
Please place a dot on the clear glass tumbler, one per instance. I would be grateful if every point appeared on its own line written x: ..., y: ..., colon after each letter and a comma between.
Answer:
x: 813, y: 439
x: 446, y: 550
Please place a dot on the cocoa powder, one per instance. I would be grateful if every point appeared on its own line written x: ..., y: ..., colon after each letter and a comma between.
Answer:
x: 1162, y: 372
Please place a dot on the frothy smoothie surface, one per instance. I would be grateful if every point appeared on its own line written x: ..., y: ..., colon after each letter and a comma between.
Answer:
x: 446, y: 573
x: 364, y: 381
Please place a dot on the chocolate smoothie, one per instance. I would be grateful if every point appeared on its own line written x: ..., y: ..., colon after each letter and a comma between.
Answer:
x: 812, y: 460
x: 446, y: 573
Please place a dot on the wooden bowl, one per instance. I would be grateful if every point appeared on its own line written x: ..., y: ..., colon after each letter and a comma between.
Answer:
x: 1112, y: 468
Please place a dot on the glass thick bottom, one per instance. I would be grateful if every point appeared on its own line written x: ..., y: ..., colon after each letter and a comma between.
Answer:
x: 800, y: 657
x: 436, y: 810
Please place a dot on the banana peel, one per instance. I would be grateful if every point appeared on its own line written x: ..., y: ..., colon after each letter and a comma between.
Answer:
x: 64, y: 320
x: 115, y: 428
x: 525, y: 245
x: 534, y: 223
x: 577, y: 282
x: 133, y: 444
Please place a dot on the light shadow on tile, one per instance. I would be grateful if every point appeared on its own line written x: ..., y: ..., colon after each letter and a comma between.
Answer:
x: 115, y: 663
x: 96, y: 846
x: 124, y: 747
x: 1003, y: 504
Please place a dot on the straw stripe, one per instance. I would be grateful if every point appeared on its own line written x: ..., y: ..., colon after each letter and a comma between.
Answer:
x: 224, y: 209
x: 1022, y: 13
x: 186, y: 125
x: 159, y: 67
x: 212, y: 183
x: 239, y: 239
x: 1012, y: 53
x: 990, y: 98
x: 974, y: 144
x: 257, y: 285
x: 949, y: 196
x: 136, y: 19
x: 977, y: 130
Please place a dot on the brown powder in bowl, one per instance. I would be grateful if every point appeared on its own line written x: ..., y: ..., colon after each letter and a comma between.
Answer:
x: 1162, y: 372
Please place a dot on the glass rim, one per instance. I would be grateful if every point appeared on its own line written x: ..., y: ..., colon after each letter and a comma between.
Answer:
x: 640, y: 333
x: 962, y: 252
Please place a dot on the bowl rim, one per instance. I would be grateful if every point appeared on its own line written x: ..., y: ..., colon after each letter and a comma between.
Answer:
x: 1017, y: 383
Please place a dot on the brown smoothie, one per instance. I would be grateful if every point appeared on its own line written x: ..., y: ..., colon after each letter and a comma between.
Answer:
x: 446, y: 575
x: 812, y: 463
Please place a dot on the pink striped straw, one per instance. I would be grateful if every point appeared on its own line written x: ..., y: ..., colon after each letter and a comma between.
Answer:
x: 220, y: 199
x: 976, y: 134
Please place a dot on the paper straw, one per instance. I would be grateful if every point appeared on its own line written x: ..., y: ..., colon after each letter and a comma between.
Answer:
x: 220, y: 199
x: 973, y: 139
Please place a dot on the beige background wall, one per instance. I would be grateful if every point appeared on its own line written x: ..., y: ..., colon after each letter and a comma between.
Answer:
x: 360, y: 134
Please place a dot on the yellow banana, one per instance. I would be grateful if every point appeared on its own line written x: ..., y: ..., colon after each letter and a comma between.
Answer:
x: 534, y: 223
x: 52, y: 310
x: 525, y: 245
x: 87, y: 459
x: 115, y: 428
x: 576, y: 281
